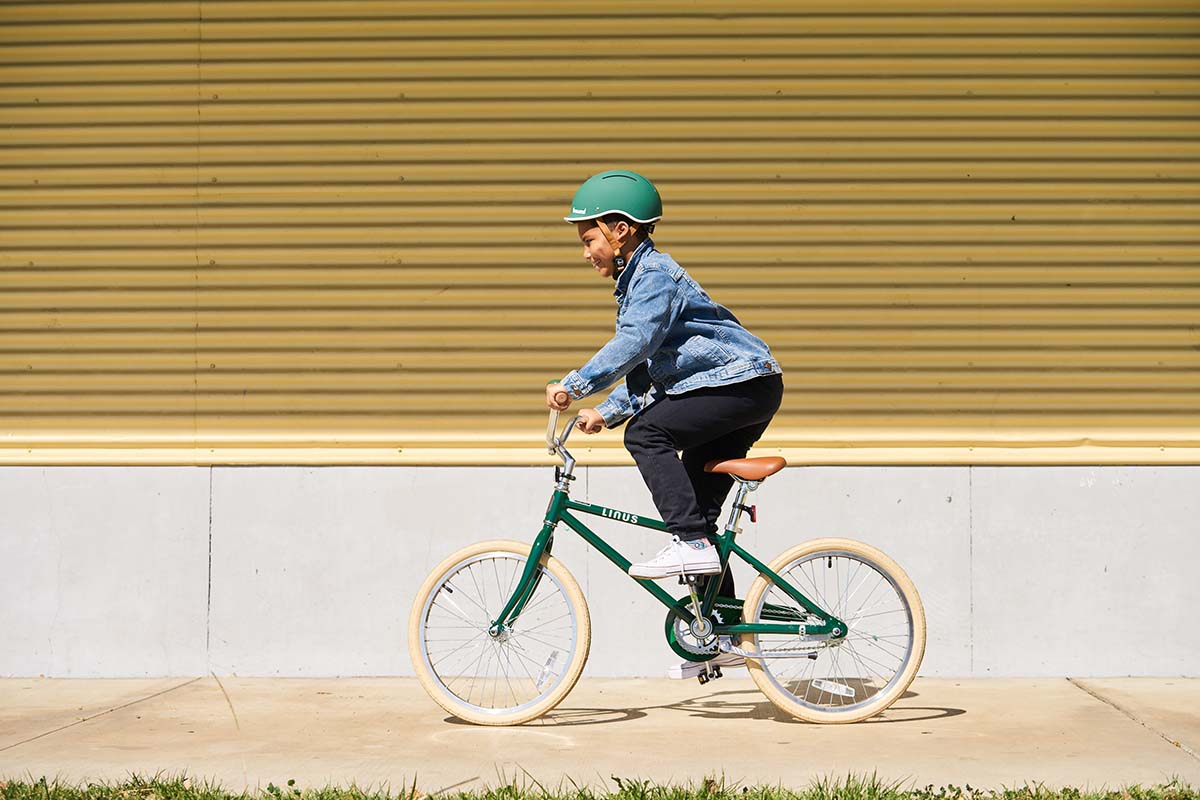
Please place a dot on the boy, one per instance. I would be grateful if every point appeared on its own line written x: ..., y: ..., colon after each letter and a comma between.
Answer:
x: 696, y: 381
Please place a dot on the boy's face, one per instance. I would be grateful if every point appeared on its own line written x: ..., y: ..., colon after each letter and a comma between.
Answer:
x: 596, y: 249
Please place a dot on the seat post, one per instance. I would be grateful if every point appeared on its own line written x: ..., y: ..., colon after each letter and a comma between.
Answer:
x: 739, y: 500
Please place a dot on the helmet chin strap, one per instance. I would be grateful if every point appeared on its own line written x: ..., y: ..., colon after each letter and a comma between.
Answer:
x: 618, y: 259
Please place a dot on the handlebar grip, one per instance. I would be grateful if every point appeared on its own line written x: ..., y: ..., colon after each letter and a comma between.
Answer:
x: 561, y: 397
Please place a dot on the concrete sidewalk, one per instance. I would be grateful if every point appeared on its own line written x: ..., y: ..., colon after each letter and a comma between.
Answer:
x: 248, y: 731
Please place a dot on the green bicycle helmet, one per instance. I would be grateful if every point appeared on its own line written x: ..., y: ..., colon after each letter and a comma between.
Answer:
x: 617, y: 191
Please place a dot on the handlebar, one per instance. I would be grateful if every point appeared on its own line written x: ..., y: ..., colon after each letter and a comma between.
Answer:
x: 555, y: 440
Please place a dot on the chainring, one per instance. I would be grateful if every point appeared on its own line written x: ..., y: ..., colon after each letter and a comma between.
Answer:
x: 684, y: 642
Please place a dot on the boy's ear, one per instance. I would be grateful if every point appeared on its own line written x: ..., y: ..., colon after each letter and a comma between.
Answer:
x: 624, y: 230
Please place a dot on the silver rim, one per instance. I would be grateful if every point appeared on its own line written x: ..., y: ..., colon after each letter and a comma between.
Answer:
x: 483, y: 674
x: 872, y: 657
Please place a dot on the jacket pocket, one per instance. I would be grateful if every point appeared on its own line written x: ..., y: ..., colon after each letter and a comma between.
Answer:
x: 670, y: 365
x: 705, y: 353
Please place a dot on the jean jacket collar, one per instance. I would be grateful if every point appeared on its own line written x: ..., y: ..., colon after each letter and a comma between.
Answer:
x: 631, y: 265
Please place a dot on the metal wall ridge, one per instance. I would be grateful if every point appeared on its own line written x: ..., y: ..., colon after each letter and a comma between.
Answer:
x: 260, y: 232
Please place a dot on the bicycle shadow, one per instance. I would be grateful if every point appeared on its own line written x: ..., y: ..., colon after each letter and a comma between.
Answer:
x: 727, y: 705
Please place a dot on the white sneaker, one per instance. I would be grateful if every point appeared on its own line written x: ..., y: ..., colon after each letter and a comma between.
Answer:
x: 680, y: 558
x: 690, y: 669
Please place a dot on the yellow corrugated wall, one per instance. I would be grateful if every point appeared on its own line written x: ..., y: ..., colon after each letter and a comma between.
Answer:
x: 328, y: 232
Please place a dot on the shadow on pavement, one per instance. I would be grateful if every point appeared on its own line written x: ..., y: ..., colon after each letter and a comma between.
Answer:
x: 734, y: 704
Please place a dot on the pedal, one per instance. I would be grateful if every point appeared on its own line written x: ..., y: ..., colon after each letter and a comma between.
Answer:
x: 710, y: 674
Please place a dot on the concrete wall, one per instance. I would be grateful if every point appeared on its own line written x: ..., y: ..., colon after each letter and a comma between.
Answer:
x: 148, y: 571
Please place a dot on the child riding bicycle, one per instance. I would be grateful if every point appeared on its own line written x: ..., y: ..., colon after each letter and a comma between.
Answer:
x: 698, y: 386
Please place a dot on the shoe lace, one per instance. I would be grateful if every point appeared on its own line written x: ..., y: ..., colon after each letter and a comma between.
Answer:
x: 677, y: 546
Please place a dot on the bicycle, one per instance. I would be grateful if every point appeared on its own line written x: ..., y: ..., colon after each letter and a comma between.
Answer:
x: 499, y: 632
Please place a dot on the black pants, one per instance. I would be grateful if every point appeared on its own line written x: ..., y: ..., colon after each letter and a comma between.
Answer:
x: 713, y: 422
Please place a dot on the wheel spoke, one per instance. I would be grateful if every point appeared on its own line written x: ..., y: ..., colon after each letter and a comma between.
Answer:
x: 554, y: 645
x: 462, y: 615
x: 878, y: 642
x: 444, y: 656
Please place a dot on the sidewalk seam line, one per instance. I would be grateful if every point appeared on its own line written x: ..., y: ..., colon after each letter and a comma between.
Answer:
x: 971, y: 571
x: 1173, y: 742
x: 98, y: 715
x: 208, y: 599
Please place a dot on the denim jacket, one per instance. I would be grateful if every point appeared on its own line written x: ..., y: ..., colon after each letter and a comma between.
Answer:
x: 668, y: 327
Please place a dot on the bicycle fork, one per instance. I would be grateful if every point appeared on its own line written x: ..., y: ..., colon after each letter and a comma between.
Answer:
x: 531, y: 576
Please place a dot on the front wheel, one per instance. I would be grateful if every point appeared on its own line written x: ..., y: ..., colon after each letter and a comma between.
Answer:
x: 840, y: 680
x: 507, y: 677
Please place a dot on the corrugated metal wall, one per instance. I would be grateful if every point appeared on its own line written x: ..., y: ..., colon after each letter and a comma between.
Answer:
x: 328, y: 231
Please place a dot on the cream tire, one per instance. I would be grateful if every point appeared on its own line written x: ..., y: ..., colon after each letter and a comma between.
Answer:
x: 480, y: 560
x: 907, y: 598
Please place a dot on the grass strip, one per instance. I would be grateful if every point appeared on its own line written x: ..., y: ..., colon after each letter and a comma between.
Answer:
x: 851, y: 787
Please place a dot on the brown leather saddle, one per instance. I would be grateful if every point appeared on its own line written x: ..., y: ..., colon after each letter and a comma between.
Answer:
x: 748, y: 469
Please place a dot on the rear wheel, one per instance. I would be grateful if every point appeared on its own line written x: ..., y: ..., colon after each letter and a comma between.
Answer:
x: 517, y: 674
x: 853, y: 678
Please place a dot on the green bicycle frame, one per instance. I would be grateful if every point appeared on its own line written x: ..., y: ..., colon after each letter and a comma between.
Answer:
x: 559, y: 511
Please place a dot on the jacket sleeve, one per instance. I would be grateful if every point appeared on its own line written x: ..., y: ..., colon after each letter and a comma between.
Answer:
x: 616, y: 408
x: 655, y: 303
